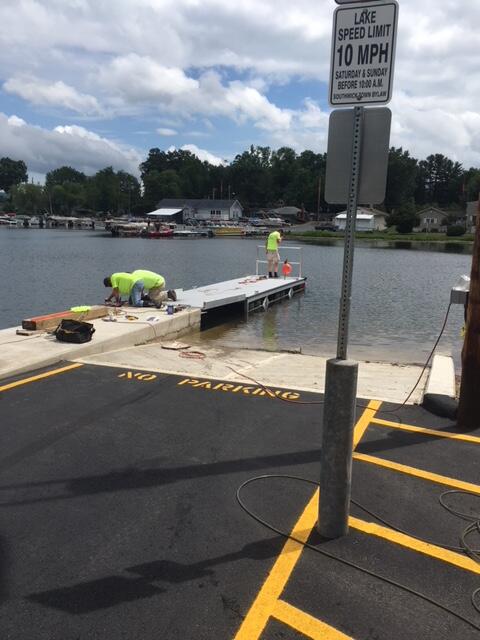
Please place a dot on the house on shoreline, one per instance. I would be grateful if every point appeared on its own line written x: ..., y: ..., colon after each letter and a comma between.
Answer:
x: 199, y: 209
x: 367, y: 220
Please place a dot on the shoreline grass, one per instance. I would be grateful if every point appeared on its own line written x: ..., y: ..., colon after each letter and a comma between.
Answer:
x: 312, y: 236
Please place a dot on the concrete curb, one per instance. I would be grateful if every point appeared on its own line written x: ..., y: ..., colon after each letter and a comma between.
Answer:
x: 439, y: 396
x: 24, y: 355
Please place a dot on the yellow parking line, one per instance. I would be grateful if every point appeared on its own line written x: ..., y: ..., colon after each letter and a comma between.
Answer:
x: 262, y: 608
x: 428, y: 432
x: 265, y: 602
x: 445, y: 555
x: 364, y: 420
x: 305, y: 623
x: 40, y: 376
x: 418, y: 473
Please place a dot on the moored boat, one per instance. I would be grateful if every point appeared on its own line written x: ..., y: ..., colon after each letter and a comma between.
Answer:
x: 229, y: 231
x: 161, y: 233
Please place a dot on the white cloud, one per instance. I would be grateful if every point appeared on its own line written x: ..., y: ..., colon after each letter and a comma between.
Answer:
x: 166, y: 132
x: 140, y: 81
x: 15, y: 121
x: 56, y: 94
x: 202, y: 154
x: 425, y: 126
x: 43, y: 149
x: 155, y: 58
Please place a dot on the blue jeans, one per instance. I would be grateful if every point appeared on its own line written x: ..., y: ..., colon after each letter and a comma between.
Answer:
x: 136, y: 294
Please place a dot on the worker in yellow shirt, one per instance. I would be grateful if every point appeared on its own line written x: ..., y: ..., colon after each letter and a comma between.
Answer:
x: 273, y: 257
x: 122, y: 285
x: 154, y: 283
x: 135, y: 285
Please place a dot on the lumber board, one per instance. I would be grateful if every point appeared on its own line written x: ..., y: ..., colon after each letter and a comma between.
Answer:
x: 52, y: 320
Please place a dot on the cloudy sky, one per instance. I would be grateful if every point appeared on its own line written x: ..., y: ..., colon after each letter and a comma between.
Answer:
x: 91, y: 83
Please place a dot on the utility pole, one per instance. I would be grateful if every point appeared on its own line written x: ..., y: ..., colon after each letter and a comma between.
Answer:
x: 469, y: 402
x: 221, y: 189
x: 213, y: 193
x: 229, y: 192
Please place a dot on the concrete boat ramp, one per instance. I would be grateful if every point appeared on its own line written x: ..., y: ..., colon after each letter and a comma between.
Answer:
x: 119, y: 517
x: 133, y: 326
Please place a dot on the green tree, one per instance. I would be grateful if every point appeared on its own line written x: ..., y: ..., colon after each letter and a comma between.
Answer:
x: 103, y: 191
x: 439, y: 181
x: 314, y: 180
x: 62, y: 175
x: 401, y: 178
x: 251, y: 178
x: 64, y: 198
x: 156, y: 161
x: 283, y: 170
x: 12, y: 172
x: 129, y: 192
x: 158, y: 185
x: 472, y: 184
x: 28, y: 198
x: 405, y: 218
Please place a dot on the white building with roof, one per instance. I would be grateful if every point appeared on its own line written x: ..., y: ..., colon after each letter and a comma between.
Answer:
x: 367, y: 220
x: 203, y: 209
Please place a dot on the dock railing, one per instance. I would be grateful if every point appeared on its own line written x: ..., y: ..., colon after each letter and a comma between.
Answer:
x: 298, y: 263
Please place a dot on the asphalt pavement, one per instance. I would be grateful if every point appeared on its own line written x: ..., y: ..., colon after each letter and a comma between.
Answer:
x: 119, y: 517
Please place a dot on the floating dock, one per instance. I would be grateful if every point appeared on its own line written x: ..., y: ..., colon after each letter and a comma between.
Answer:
x: 250, y: 293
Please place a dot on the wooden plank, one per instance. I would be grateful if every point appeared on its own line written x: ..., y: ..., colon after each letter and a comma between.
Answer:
x: 52, y: 320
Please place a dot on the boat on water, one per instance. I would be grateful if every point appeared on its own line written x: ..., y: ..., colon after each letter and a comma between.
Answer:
x: 229, y: 231
x: 161, y: 233
x: 189, y: 233
x: 127, y: 229
x: 7, y: 221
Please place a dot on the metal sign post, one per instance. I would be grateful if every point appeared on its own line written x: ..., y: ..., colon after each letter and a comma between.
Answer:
x: 341, y: 381
x: 347, y: 272
x: 363, y: 47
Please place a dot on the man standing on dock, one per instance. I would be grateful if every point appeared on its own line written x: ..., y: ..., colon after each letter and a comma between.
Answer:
x: 273, y: 257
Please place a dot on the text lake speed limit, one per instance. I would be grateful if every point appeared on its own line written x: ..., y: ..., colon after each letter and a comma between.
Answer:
x: 363, y: 53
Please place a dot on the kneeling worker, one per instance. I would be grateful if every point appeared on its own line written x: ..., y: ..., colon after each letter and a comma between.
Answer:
x: 273, y: 257
x: 122, y: 285
x: 154, y: 283
x: 135, y: 285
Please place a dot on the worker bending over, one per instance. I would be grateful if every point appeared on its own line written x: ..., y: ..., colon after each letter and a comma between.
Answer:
x: 273, y: 257
x: 142, y: 287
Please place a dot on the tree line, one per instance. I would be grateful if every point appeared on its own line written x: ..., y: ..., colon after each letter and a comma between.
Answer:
x: 259, y: 178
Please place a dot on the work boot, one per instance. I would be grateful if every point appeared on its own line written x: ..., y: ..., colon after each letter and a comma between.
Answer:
x: 270, y: 275
x: 171, y: 295
x: 276, y: 274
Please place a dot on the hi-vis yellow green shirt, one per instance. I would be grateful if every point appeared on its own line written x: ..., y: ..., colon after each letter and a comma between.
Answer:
x: 123, y: 282
x: 273, y: 240
x: 149, y: 278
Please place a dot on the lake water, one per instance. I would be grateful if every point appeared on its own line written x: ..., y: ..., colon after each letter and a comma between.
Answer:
x: 400, y: 295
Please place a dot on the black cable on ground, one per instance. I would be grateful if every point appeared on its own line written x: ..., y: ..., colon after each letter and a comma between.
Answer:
x: 348, y: 563
x: 361, y: 406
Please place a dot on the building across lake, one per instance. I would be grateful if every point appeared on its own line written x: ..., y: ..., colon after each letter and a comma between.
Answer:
x: 199, y: 209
